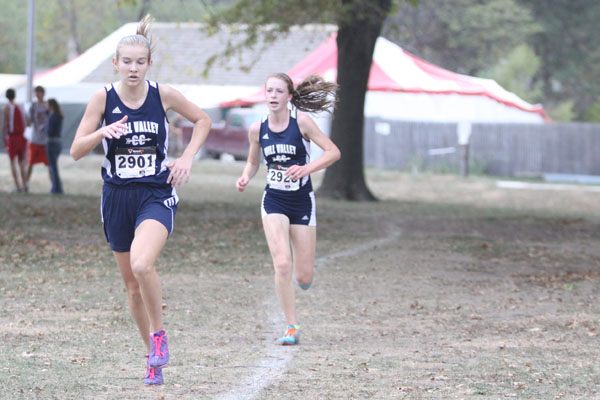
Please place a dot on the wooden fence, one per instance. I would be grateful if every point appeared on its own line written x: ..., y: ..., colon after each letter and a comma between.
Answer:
x: 495, y: 149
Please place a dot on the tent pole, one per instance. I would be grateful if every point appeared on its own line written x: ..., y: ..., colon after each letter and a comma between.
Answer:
x: 30, y: 67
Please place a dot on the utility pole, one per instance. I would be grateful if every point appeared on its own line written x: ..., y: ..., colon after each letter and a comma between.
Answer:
x: 30, y: 67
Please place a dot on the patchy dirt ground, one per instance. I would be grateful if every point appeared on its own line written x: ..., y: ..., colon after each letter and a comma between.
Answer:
x: 445, y: 289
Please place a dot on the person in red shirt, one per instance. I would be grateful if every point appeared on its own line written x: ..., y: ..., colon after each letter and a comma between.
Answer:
x: 13, y: 130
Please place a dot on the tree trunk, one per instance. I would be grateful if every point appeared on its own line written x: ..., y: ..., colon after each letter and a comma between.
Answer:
x: 144, y: 9
x: 357, y: 34
x: 71, y: 12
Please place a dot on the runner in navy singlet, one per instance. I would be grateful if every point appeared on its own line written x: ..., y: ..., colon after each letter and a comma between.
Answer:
x: 288, y: 204
x: 139, y: 201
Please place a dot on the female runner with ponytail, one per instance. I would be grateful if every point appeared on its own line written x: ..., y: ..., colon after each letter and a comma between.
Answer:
x: 288, y: 203
x: 139, y: 200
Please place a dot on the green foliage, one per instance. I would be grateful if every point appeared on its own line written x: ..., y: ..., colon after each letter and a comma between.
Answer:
x: 567, y: 46
x: 13, y: 40
x: 65, y: 28
x: 515, y: 73
x: 562, y: 111
x: 465, y: 36
x: 592, y: 114
x: 254, y: 21
x: 474, y: 37
x: 477, y: 36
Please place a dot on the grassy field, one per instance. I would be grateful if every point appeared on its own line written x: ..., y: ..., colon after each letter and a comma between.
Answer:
x: 447, y: 288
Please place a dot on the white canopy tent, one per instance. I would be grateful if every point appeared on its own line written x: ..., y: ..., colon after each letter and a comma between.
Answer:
x: 404, y: 87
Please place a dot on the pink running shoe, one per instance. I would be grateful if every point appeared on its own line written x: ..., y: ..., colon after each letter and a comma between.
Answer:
x: 159, y: 350
x: 153, y: 375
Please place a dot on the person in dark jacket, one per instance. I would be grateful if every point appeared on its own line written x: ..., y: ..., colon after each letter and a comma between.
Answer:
x: 54, y: 146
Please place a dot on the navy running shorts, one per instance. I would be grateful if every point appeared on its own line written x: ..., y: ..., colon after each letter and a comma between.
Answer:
x: 298, y: 206
x: 125, y: 207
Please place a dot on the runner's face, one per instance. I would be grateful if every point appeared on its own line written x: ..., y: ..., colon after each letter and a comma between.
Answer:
x: 132, y: 64
x: 277, y: 94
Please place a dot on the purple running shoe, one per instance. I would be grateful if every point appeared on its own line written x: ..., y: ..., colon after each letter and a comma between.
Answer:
x: 159, y: 350
x: 153, y: 375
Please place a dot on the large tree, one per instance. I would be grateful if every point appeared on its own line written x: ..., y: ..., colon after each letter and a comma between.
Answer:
x: 359, y: 24
x: 357, y: 32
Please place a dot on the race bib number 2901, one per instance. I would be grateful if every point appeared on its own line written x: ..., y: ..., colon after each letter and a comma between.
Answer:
x: 135, y: 162
x: 277, y: 179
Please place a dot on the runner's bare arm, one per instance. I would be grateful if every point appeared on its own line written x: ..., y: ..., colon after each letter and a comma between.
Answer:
x: 88, y: 136
x: 253, y: 161
x: 331, y: 153
x: 174, y: 100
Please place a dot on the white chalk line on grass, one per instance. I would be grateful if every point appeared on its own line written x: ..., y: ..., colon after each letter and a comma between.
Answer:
x: 269, y: 368
x: 277, y: 357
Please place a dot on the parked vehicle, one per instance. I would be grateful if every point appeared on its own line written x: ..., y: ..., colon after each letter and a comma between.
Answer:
x: 230, y: 136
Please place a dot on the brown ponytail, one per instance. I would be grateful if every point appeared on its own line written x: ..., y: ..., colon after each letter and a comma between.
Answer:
x: 313, y: 94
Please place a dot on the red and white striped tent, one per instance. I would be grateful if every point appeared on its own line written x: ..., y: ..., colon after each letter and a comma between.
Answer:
x: 403, y: 86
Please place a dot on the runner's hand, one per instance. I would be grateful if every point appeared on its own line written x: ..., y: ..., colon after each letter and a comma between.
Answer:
x: 180, y: 171
x: 241, y: 183
x: 297, y: 171
x: 114, y: 130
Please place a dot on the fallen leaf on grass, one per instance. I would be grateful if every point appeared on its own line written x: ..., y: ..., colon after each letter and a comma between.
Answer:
x: 417, y: 306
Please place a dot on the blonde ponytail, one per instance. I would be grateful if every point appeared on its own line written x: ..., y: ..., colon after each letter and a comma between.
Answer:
x: 142, y: 37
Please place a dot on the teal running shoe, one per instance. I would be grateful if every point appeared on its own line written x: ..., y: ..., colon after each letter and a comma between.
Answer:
x: 291, y: 337
x: 301, y: 286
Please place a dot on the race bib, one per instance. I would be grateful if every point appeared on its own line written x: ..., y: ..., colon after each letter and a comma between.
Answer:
x: 276, y: 179
x: 135, y: 162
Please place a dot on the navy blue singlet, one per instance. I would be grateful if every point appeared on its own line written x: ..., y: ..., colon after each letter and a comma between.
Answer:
x: 141, y: 154
x: 284, y: 149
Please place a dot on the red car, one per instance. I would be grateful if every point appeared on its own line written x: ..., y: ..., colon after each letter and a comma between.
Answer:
x: 229, y: 136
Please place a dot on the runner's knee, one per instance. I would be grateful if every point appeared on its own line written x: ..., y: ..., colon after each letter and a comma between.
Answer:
x: 141, y: 268
x: 283, y: 267
x: 133, y: 289
x: 304, y: 277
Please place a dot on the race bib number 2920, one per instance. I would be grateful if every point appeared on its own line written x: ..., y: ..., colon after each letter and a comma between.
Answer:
x: 277, y: 179
x: 135, y: 162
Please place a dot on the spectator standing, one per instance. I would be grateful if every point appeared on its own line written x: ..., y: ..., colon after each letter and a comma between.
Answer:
x: 54, y: 146
x: 13, y: 130
x: 38, y: 114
